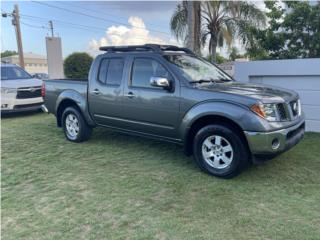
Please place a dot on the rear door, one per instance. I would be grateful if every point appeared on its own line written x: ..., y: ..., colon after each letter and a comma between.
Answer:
x: 149, y: 109
x: 106, y: 91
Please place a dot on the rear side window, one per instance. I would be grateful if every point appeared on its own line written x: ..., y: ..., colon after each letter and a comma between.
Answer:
x: 145, y: 68
x: 103, y: 71
x: 111, y: 71
x: 115, y: 71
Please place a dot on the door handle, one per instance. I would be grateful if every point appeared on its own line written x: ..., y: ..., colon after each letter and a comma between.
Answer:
x: 130, y: 95
x: 96, y: 91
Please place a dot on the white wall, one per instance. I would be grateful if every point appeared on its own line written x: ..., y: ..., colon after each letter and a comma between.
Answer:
x: 54, y: 56
x: 300, y: 75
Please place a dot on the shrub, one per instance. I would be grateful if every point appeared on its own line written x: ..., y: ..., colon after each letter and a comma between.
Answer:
x: 77, y: 65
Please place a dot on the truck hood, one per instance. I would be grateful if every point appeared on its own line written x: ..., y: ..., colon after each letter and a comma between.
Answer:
x: 265, y: 93
x: 21, y: 83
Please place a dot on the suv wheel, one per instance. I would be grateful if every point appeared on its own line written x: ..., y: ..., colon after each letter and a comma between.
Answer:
x: 75, y: 127
x: 220, y: 151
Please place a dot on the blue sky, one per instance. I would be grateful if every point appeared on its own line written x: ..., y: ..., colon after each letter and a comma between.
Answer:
x: 110, y: 16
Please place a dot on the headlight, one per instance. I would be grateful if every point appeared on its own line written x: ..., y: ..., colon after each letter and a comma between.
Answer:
x: 299, y: 107
x: 266, y: 111
x: 5, y: 90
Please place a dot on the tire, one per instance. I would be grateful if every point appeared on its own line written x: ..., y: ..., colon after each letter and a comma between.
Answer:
x: 73, y: 119
x: 224, y: 160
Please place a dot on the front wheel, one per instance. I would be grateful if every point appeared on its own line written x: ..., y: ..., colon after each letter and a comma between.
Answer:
x: 75, y: 127
x: 220, y: 151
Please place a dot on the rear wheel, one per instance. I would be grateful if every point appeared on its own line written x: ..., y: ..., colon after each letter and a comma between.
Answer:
x: 220, y: 151
x: 75, y: 127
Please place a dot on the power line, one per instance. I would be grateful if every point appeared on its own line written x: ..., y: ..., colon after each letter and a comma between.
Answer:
x: 75, y: 26
x: 95, y: 17
x: 95, y: 11
x: 62, y: 22
x: 101, y: 12
x: 33, y: 26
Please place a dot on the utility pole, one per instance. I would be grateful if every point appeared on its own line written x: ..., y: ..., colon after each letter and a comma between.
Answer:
x: 51, y: 28
x: 16, y: 24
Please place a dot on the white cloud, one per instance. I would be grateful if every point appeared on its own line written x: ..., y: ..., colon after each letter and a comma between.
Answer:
x: 136, y: 34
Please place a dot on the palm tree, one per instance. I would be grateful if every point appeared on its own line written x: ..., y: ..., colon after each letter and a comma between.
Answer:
x: 179, y: 23
x: 221, y: 22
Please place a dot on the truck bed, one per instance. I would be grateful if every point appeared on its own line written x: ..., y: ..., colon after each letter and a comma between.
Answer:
x: 54, y: 87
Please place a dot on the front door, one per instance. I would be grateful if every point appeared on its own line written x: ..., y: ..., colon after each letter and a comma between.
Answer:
x: 148, y: 109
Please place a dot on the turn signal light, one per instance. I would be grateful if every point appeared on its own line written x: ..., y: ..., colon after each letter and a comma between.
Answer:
x: 259, y: 110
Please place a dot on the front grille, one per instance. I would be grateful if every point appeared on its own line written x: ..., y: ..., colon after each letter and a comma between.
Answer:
x: 27, y: 105
x: 294, y: 106
x: 282, y: 112
x: 31, y: 92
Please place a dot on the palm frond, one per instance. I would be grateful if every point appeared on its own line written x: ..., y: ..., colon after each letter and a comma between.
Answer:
x: 178, y: 22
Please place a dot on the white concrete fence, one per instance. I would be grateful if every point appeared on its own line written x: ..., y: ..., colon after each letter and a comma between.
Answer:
x: 300, y: 75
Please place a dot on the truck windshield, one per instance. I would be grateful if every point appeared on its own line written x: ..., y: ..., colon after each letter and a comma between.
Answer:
x: 12, y: 73
x: 196, y: 69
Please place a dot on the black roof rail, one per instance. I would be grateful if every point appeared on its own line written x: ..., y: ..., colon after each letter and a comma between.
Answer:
x: 127, y: 48
x: 146, y: 47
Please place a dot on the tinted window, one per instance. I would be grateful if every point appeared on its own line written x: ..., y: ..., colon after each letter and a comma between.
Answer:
x: 111, y: 71
x: 145, y: 68
x: 11, y: 73
x: 115, y: 70
x: 103, y: 71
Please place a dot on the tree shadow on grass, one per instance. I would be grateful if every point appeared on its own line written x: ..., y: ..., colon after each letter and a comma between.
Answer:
x: 161, y: 150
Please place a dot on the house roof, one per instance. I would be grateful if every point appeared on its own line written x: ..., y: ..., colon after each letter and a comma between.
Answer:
x: 28, y: 55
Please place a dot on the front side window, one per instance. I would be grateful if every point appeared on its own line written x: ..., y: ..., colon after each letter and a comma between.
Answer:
x: 111, y: 71
x: 12, y: 73
x: 196, y: 69
x: 145, y: 68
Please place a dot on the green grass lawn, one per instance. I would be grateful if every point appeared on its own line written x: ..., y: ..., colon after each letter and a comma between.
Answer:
x: 121, y: 187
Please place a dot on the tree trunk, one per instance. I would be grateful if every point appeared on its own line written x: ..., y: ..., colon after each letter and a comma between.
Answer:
x: 194, y: 25
x: 213, y: 49
x: 197, y: 26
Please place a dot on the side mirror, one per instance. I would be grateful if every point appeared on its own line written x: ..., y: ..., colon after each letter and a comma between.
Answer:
x: 160, y: 82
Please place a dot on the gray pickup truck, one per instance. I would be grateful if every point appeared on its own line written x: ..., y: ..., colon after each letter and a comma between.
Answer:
x: 168, y: 93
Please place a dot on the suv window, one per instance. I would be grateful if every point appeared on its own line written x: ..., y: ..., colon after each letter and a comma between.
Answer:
x: 111, y: 71
x: 145, y: 68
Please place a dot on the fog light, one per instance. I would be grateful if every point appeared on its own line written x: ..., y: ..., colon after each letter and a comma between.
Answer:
x: 275, y: 144
x: 4, y: 105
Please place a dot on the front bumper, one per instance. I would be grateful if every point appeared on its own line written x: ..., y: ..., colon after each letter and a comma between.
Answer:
x: 23, y: 108
x: 10, y: 104
x: 276, y: 142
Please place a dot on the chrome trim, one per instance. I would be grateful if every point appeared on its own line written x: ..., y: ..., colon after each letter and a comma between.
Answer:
x: 31, y: 89
x: 44, y: 108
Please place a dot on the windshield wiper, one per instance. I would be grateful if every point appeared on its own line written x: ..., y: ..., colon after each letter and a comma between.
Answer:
x: 200, y: 81
x: 211, y: 80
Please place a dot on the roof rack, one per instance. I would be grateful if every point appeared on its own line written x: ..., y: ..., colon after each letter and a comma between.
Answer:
x: 146, y: 47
